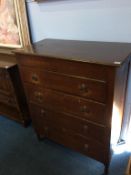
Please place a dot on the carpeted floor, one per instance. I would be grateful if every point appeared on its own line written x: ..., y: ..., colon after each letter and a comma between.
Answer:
x: 21, y: 153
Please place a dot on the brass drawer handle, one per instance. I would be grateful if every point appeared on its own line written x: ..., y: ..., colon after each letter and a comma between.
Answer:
x: 85, y: 127
x: 63, y: 130
x: 84, y: 109
x: 42, y: 112
x: 83, y: 88
x: 34, y: 77
x: 39, y: 96
x: 86, y: 146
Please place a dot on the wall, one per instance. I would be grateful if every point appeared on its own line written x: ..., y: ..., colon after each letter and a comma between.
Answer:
x: 102, y: 20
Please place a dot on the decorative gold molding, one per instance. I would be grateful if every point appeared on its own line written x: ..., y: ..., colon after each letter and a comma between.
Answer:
x: 22, y: 15
x: 22, y: 24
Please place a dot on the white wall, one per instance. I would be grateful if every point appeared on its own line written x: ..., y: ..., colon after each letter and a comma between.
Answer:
x: 101, y: 20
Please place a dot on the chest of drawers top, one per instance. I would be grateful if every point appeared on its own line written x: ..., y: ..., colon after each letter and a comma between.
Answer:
x: 104, y: 53
x: 7, y: 61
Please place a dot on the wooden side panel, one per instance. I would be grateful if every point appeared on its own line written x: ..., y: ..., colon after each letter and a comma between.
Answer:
x: 19, y: 94
x: 12, y: 97
x: 119, y: 100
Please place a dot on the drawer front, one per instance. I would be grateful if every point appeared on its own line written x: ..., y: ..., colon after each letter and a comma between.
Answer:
x: 4, y: 81
x: 8, y: 100
x: 42, y: 117
x: 95, y: 90
x: 66, y: 137
x: 93, y: 71
x: 86, y: 146
x: 10, y: 111
x: 58, y: 101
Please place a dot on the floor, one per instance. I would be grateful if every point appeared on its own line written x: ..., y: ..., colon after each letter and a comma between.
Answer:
x: 21, y: 153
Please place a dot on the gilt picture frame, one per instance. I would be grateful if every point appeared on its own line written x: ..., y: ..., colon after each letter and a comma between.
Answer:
x: 14, y: 30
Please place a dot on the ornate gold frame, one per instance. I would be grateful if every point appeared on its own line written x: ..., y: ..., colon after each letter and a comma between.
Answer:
x: 22, y: 24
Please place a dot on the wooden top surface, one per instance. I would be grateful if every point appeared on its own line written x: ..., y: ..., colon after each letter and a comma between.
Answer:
x: 6, y: 65
x: 107, y: 53
x: 7, y: 60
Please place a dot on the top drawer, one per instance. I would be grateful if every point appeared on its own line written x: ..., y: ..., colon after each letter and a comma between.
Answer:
x: 95, y: 90
x: 88, y: 70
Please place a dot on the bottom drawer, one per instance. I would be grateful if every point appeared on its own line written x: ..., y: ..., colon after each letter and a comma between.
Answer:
x: 88, y: 147
x: 51, y: 125
x: 10, y: 112
x: 8, y: 100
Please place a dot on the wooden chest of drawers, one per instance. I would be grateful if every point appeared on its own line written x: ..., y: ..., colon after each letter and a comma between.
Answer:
x: 12, y: 97
x: 73, y: 87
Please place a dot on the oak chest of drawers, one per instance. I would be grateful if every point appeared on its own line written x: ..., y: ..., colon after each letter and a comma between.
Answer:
x: 73, y: 87
x: 13, y: 102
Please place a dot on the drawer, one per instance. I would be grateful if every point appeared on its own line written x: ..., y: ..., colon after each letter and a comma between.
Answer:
x: 10, y: 111
x: 88, y: 147
x: 57, y: 132
x: 78, y: 68
x: 92, y: 89
x: 4, y: 81
x: 58, y: 101
x: 42, y: 117
x: 8, y: 100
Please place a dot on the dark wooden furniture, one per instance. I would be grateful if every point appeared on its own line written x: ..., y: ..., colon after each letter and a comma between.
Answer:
x: 73, y: 88
x: 128, y: 169
x: 12, y: 97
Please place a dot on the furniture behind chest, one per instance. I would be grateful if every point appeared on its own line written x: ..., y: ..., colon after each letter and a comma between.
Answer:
x: 73, y: 89
x: 12, y: 97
